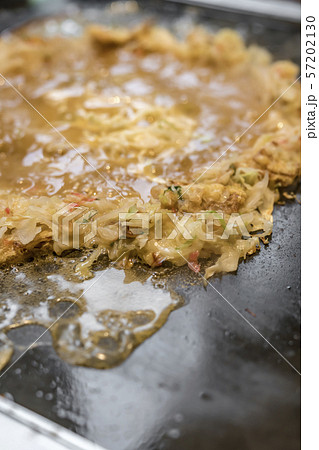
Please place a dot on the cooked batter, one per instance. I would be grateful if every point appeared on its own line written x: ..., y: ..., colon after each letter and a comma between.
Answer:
x: 144, y: 123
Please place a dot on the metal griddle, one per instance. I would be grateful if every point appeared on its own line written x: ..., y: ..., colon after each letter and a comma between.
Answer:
x: 206, y: 380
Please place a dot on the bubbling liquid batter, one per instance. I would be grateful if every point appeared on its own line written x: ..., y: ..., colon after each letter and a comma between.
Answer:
x: 100, y: 322
x: 137, y: 118
x: 132, y: 121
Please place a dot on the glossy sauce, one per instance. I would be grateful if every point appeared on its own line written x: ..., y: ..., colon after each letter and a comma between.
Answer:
x: 78, y: 87
x: 83, y: 101
x: 96, y: 323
